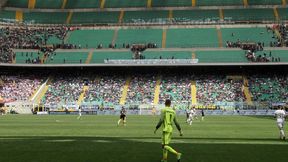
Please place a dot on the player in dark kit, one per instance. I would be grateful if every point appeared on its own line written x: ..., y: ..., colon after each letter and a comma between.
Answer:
x: 122, y: 117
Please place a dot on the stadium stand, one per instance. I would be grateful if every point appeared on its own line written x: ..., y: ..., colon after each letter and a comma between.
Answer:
x: 139, y: 36
x: 187, y: 16
x: 54, y: 4
x: 19, y: 87
x: 63, y: 89
x: 125, y: 3
x: 219, y: 2
x: 42, y: 18
x: 146, y: 17
x: 271, y: 88
x: 17, y: 3
x: 71, y: 4
x: 265, y: 2
x: 141, y: 89
x: 249, y: 15
x: 220, y: 56
x: 176, y: 88
x: 95, y: 17
x: 205, y: 38
x: 249, y: 35
x: 102, y: 87
x: 215, y: 88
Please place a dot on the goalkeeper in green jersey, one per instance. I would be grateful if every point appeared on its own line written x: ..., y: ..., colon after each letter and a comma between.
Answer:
x: 168, y: 116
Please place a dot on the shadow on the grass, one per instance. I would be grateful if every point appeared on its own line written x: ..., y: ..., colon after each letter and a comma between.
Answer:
x: 121, y: 149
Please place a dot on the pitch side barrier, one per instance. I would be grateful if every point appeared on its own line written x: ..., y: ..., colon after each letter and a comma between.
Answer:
x: 179, y: 112
x: 135, y: 64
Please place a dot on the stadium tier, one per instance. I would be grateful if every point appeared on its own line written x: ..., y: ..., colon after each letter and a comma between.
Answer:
x: 247, y: 35
x: 249, y: 14
x: 219, y: 2
x: 143, y: 89
x: 197, y: 37
x: 76, y: 4
x: 139, y: 36
x: 95, y: 17
x: 91, y: 38
x: 147, y: 17
x: 45, y: 18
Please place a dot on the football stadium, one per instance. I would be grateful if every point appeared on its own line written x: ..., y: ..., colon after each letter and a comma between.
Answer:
x: 143, y: 80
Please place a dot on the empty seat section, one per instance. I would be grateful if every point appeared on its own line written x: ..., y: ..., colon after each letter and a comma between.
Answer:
x: 125, y: 3
x: 91, y: 38
x: 219, y: 2
x: 67, y: 58
x: 264, y: 2
x: 5, y: 15
x: 99, y: 57
x: 139, y: 36
x: 167, y: 54
x: 195, y: 15
x: 17, y: 3
x: 221, y: 56
x: 146, y: 17
x: 23, y: 57
x: 83, y: 4
x: 247, y: 35
x: 282, y: 54
x: 48, y: 4
x: 95, y: 17
x: 283, y: 13
x: 249, y: 14
x: 187, y: 38
x: 45, y: 18
x: 171, y: 3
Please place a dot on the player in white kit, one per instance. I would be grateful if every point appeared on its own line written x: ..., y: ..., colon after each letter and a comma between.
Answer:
x: 191, y: 116
x: 280, y: 118
x: 79, y: 112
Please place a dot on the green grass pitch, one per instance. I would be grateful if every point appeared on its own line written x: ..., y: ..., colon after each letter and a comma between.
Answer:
x: 58, y: 138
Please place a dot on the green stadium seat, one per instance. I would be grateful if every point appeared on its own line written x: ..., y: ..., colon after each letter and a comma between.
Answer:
x: 249, y: 14
x: 264, y: 2
x: 83, y: 4
x: 171, y: 3
x: 45, y: 18
x: 195, y: 15
x: 70, y: 58
x: 21, y: 56
x: 95, y: 17
x: 125, y: 3
x: 204, y: 37
x: 221, y: 56
x: 283, y: 13
x: 219, y: 2
x: 91, y: 38
x: 247, y: 35
x: 17, y: 3
x: 140, y: 36
x: 146, y: 17
x: 56, y: 4
x: 7, y: 15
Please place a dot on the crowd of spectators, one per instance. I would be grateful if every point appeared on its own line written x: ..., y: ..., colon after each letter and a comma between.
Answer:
x: 63, y: 89
x: 6, y: 54
x: 106, y: 89
x: 141, y: 89
x: 19, y: 87
x: 30, y: 38
x: 251, y: 56
x: 270, y: 88
x: 212, y: 88
x: 177, y: 88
